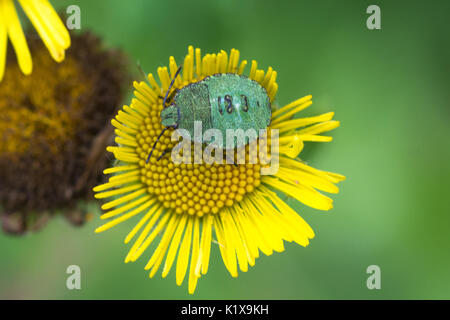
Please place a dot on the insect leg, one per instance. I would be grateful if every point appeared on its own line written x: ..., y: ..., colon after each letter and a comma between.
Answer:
x: 154, y: 145
x: 170, y: 86
x: 229, y: 158
x: 164, y: 153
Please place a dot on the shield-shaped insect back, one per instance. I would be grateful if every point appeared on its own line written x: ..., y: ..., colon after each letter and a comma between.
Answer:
x: 233, y: 105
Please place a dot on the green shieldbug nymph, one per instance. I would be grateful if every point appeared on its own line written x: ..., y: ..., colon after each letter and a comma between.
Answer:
x: 223, y: 101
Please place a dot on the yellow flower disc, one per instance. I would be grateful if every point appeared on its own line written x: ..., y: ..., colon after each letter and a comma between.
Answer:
x: 190, y: 188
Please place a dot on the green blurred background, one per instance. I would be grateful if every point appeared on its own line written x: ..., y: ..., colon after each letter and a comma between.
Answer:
x: 390, y: 90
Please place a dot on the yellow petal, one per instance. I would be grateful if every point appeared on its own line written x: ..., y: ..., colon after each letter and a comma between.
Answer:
x: 302, y: 122
x: 174, y: 246
x: 238, y: 242
x: 293, y: 148
x: 40, y: 22
x: 137, y: 249
x: 17, y: 36
x: 195, y: 249
x: 293, y: 105
x: 124, y: 208
x: 183, y: 256
x: 304, y: 194
x: 161, y: 249
x: 124, y: 217
x: 205, y: 246
x: 3, y: 44
x: 57, y: 26
x: 141, y: 222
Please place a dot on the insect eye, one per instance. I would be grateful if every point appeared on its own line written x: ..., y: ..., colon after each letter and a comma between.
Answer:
x: 244, y: 103
x: 229, y: 103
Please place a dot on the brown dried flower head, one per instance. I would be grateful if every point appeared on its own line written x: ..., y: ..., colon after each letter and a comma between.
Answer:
x: 54, y: 126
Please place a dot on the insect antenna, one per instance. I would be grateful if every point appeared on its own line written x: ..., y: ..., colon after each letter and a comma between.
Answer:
x: 164, y: 106
x: 171, y: 96
x: 154, y: 145
x: 143, y: 73
x: 170, y: 86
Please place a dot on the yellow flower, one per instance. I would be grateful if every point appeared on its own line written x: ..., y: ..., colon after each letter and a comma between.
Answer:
x: 187, y: 202
x: 45, y: 20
